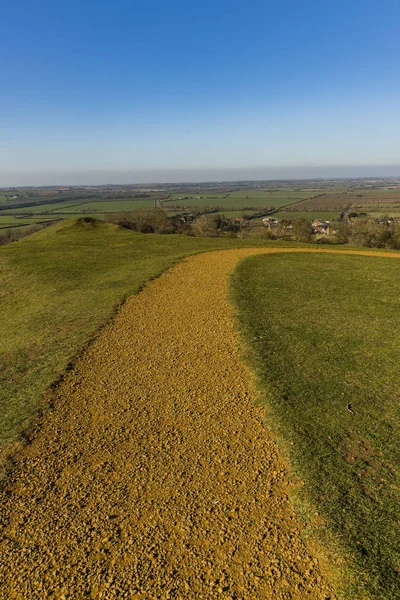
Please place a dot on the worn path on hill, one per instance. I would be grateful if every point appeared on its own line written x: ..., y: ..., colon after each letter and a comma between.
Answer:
x: 153, y: 476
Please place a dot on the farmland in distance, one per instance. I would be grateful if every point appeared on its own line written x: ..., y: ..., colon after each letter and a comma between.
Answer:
x: 328, y: 200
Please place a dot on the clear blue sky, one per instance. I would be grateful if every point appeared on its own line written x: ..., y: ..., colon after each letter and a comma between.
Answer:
x: 124, y: 90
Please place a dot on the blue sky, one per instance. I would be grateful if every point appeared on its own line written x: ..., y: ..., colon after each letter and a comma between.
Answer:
x: 161, y: 89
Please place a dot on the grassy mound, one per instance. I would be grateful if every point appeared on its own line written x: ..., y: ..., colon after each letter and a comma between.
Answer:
x: 325, y: 342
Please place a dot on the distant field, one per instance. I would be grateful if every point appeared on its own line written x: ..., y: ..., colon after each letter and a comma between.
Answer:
x: 385, y: 213
x: 257, y: 199
x: 327, y: 216
x: 374, y: 196
x: 112, y: 205
x: 327, y: 357
x: 11, y: 220
x: 327, y: 202
x: 229, y: 214
x: 71, y: 208
x: 43, y: 197
x: 373, y: 200
x: 275, y: 194
x: 74, y: 215
x: 41, y: 208
x: 376, y: 191
x: 301, y: 203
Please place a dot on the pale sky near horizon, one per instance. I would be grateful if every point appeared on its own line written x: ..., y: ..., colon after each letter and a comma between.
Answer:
x: 106, y: 92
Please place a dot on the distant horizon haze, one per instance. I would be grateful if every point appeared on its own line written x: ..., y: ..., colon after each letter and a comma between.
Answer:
x: 195, y: 175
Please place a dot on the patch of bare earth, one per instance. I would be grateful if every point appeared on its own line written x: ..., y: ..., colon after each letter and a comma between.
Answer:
x: 153, y: 476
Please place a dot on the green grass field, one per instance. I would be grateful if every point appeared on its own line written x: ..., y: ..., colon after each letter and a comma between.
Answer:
x: 58, y: 287
x: 325, y: 343
x: 112, y: 205
x: 84, y: 206
x: 16, y: 220
x: 42, y: 208
x: 11, y: 220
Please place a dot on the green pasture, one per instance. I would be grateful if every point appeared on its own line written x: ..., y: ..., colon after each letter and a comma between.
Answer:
x: 260, y: 193
x: 196, y: 196
x: 74, y: 214
x: 11, y: 220
x: 324, y: 339
x: 41, y: 208
x: 73, y: 208
x: 112, y: 205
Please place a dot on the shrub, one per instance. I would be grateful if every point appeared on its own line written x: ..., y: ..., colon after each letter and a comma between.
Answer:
x: 342, y: 232
x: 206, y: 225
x: 144, y: 220
x: 9, y: 235
x: 302, y: 230
x: 369, y: 233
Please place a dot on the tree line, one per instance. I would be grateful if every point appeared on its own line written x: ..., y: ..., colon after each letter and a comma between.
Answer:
x: 367, y: 231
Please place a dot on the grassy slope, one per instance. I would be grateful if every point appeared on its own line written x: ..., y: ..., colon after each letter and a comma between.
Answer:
x: 325, y: 342
x: 57, y: 288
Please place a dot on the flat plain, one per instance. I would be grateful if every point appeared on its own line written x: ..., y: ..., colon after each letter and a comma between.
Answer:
x: 327, y: 202
x: 368, y: 201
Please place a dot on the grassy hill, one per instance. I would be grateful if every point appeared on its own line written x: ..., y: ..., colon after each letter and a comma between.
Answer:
x: 325, y: 342
x: 58, y: 287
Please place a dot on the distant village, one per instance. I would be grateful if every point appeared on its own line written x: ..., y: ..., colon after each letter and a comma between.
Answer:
x: 318, y: 225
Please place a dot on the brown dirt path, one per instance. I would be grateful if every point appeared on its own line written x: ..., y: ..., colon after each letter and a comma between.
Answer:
x: 153, y: 475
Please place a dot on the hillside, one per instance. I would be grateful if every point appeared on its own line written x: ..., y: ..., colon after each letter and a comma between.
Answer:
x: 324, y: 340
x: 59, y: 287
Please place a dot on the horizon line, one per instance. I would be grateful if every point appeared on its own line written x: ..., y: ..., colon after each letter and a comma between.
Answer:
x: 202, y: 182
